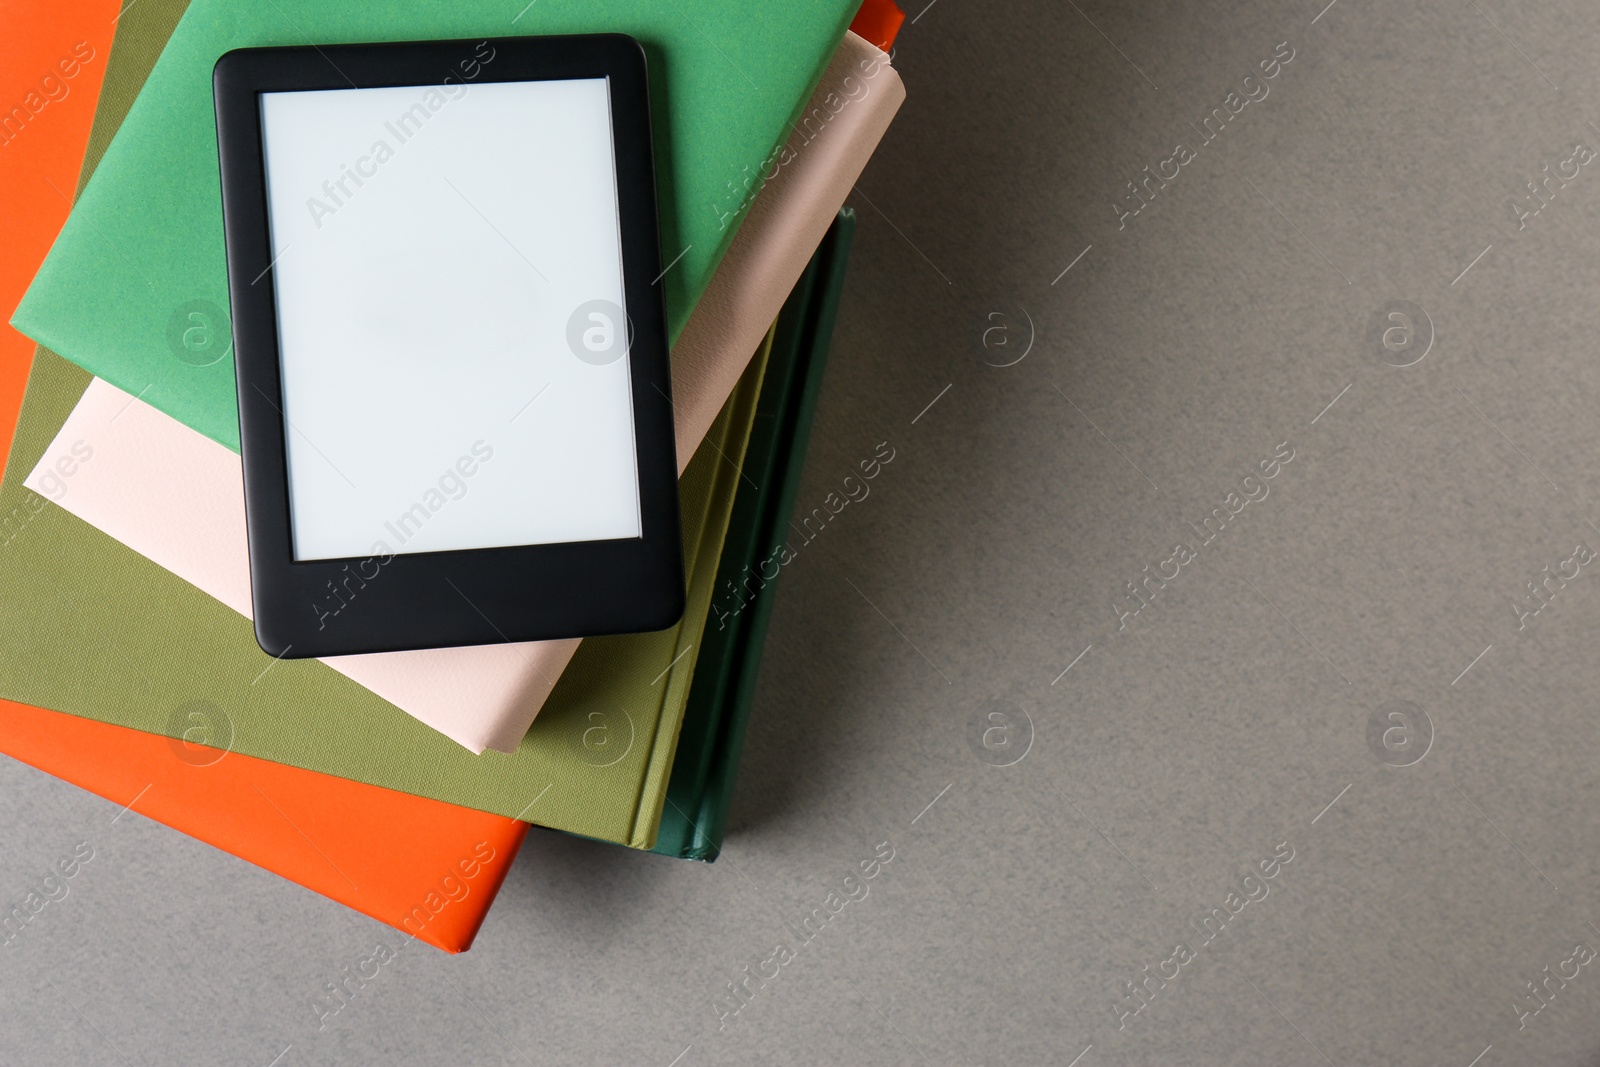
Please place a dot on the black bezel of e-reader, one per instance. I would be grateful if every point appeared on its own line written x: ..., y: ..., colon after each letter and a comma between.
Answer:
x: 473, y: 596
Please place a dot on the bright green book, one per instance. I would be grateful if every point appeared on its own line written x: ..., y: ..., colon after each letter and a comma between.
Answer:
x: 144, y: 246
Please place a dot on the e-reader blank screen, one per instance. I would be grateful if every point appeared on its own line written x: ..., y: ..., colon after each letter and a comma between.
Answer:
x: 453, y: 346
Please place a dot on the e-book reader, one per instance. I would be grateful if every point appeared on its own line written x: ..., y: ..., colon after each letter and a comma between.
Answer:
x: 451, y: 355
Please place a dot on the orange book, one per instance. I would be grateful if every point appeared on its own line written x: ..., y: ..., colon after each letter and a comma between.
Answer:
x: 878, y: 22
x: 45, y: 115
x: 426, y: 868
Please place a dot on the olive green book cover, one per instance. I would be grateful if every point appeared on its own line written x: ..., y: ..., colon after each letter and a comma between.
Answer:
x: 94, y: 629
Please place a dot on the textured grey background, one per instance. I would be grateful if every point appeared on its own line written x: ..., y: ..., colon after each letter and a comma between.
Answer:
x: 1175, y: 753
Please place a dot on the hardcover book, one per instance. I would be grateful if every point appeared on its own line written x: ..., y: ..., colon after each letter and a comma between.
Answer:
x: 723, y: 688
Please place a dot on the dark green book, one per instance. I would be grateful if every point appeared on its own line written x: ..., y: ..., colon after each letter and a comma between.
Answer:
x: 724, y: 680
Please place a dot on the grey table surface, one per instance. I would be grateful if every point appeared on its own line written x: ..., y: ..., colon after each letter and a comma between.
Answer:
x: 1341, y: 680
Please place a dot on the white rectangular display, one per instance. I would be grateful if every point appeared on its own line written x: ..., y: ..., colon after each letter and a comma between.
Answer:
x: 448, y: 266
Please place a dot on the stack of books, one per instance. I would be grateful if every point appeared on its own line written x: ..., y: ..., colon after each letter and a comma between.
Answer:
x: 399, y: 784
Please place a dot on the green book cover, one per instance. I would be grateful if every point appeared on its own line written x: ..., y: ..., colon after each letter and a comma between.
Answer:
x: 723, y: 688
x: 144, y: 245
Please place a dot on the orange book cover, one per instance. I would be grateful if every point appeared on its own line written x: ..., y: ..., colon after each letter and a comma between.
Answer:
x: 878, y: 22
x: 52, y: 58
x: 426, y: 868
